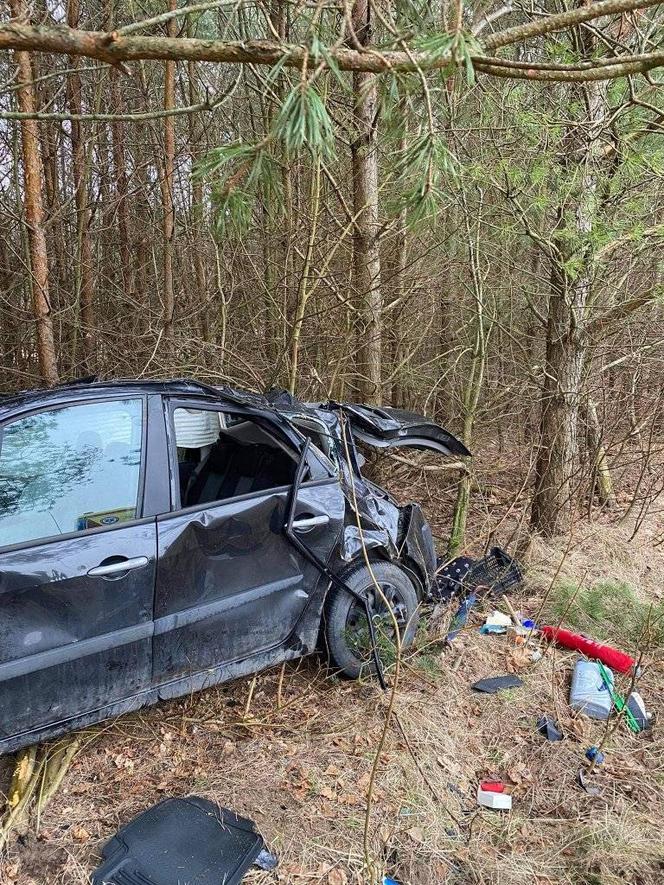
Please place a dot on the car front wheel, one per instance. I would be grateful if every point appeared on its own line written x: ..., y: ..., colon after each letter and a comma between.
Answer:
x: 346, y: 628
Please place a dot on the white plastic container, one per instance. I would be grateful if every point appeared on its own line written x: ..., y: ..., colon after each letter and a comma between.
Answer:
x: 637, y: 708
x: 588, y: 693
x: 497, y: 801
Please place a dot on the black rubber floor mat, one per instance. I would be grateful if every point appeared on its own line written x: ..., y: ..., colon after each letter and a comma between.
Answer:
x: 181, y: 842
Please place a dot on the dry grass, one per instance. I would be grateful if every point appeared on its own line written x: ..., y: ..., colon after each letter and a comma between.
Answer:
x: 301, y: 772
x: 600, y: 550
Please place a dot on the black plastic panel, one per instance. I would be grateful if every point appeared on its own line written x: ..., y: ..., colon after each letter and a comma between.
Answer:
x: 191, y: 841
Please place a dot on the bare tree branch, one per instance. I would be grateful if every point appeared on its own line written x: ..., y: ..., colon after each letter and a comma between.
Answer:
x: 575, y: 74
x: 622, y: 310
x: 106, y: 118
x: 564, y: 20
x: 115, y: 47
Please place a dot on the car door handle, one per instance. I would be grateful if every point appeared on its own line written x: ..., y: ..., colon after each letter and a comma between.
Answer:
x: 310, y: 522
x: 118, y: 567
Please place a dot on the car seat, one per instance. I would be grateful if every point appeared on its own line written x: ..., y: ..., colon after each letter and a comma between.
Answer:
x: 232, y: 468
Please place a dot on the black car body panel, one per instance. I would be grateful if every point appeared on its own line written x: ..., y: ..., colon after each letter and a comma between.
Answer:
x: 250, y: 587
x: 70, y: 642
x: 165, y: 585
x: 386, y: 427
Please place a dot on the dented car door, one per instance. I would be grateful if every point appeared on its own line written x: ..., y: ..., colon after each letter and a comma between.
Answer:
x: 229, y: 584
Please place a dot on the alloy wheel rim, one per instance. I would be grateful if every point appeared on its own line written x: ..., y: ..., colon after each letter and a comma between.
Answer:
x: 357, y: 631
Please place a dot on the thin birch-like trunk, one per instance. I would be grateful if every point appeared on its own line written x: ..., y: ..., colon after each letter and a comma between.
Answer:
x: 303, y: 288
x: 168, y: 208
x: 474, y: 383
x: 366, y: 246
x: 84, y: 265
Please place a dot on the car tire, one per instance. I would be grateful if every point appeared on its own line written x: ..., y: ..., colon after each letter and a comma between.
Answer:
x: 342, y: 608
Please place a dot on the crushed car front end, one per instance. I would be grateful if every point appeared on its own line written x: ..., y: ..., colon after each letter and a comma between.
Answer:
x: 375, y: 522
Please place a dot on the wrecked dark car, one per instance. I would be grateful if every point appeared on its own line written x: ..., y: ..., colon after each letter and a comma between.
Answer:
x: 157, y: 538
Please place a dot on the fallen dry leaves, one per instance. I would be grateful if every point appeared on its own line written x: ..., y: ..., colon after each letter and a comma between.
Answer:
x: 337, y: 876
x: 79, y: 833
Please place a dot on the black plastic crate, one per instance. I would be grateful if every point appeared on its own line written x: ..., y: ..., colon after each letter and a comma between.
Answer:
x: 497, y: 572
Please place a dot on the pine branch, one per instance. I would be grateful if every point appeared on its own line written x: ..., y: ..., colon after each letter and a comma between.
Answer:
x: 115, y: 47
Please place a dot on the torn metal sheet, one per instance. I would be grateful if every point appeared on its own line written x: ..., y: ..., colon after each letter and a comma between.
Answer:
x: 386, y: 427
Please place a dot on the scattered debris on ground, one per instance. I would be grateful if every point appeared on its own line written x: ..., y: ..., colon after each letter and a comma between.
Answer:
x: 494, y: 684
x: 293, y: 751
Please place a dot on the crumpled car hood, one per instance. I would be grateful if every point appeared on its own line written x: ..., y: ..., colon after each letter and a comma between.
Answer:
x: 390, y: 428
x: 401, y: 532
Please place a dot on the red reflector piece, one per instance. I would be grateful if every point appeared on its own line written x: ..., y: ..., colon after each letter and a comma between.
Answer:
x: 492, y: 786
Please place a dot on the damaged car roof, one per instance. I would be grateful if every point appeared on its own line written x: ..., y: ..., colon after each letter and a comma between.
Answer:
x: 381, y: 427
x: 183, y: 386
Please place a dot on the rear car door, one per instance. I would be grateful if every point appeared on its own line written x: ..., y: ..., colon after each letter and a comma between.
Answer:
x: 229, y: 584
x: 77, y: 563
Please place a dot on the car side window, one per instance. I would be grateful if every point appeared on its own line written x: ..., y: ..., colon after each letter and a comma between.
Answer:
x: 222, y: 456
x: 70, y: 469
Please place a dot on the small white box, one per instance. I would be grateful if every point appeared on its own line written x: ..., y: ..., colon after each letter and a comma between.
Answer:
x: 497, y: 801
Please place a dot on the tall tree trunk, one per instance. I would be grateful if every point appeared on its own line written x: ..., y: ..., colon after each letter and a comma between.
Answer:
x: 121, y: 187
x: 284, y: 304
x: 59, y: 270
x: 558, y: 455
x: 197, y: 208
x: 142, y: 221
x: 34, y: 211
x: 557, y: 466
x: 400, y: 344
x: 120, y: 180
x: 366, y: 251
x: 167, y: 187
x: 84, y: 271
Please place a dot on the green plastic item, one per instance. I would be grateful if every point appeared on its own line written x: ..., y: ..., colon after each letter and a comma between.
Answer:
x: 618, y: 700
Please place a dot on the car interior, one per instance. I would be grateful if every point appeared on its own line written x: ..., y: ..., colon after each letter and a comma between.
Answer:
x: 317, y: 433
x: 236, y: 457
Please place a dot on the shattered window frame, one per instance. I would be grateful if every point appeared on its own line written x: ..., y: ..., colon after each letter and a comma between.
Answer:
x: 317, y: 461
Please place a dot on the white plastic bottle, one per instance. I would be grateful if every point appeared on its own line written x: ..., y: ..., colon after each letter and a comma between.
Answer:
x: 588, y: 693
